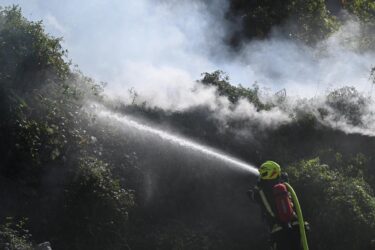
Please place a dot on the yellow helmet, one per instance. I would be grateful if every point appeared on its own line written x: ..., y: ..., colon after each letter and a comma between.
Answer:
x: 269, y: 170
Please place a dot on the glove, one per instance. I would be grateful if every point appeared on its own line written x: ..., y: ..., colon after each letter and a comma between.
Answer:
x: 307, y: 226
x: 250, y: 194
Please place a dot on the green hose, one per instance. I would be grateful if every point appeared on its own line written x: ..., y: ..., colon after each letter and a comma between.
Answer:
x: 301, y: 222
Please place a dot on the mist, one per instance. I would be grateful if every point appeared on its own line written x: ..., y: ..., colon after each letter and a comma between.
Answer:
x: 162, y: 45
x: 157, y: 50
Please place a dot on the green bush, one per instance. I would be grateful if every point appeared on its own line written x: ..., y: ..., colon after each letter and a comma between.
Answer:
x: 28, y: 56
x: 46, y: 134
x: 14, y: 236
x: 308, y: 21
x: 96, y: 209
x: 219, y: 80
x: 349, y: 104
x: 341, y: 209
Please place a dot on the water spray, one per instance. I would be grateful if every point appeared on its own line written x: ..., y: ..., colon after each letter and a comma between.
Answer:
x: 183, y: 142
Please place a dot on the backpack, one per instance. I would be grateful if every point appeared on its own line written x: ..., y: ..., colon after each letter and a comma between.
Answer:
x: 284, y: 206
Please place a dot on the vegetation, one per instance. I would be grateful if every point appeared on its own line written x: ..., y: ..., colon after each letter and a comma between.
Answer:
x: 49, y: 158
x: 306, y: 21
x: 219, y: 80
x: 83, y: 183
x: 337, y: 195
x: 365, y: 11
x: 309, y: 21
x: 14, y: 235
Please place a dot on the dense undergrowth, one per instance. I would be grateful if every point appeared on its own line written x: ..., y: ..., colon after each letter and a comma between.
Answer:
x: 78, y: 182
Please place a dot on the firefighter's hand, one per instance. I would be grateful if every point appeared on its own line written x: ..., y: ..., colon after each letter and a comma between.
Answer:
x: 307, y: 226
x: 250, y: 194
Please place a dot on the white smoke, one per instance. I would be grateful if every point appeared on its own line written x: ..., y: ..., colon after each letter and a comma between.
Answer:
x: 310, y: 71
x: 355, y: 113
x: 160, y: 48
x: 276, y: 63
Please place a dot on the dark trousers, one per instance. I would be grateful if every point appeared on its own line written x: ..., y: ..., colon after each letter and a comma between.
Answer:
x: 286, y: 239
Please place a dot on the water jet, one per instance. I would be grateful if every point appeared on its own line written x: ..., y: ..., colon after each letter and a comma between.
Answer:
x: 129, y: 121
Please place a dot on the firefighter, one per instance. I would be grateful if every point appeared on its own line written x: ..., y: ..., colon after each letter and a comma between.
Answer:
x: 280, y: 208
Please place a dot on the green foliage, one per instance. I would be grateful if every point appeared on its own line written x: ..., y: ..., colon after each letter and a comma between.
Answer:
x: 308, y: 21
x: 313, y: 21
x: 365, y: 11
x: 14, y: 236
x: 340, y: 208
x: 348, y: 103
x: 219, y: 80
x: 97, y: 208
x: 28, y: 56
x: 44, y: 132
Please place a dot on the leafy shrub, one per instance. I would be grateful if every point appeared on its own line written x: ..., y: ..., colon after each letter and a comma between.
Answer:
x: 341, y: 209
x: 349, y: 104
x: 50, y: 156
x: 14, y: 236
x: 219, y: 80
x: 96, y: 209
x: 28, y: 56
x: 308, y: 21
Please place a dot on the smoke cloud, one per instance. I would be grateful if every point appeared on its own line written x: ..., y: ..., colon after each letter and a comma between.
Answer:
x: 160, y: 48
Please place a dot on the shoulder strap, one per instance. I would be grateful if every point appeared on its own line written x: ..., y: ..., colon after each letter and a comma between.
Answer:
x: 266, y: 203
